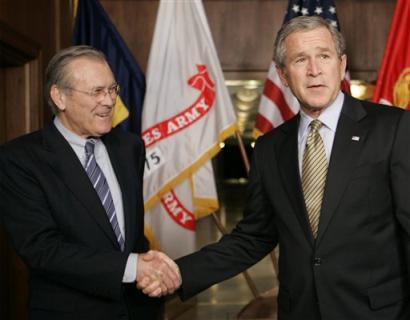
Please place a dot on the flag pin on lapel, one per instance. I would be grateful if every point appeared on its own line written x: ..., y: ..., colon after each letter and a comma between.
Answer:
x: 355, y: 138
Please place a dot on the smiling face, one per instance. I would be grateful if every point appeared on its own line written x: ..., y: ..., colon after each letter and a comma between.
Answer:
x: 81, y: 113
x: 312, y: 69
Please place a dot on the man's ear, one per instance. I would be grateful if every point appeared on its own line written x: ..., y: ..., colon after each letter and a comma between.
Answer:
x: 58, y: 97
x: 282, y: 75
x: 343, y: 64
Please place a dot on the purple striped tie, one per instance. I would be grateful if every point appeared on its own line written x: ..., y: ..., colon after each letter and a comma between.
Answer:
x: 100, y: 184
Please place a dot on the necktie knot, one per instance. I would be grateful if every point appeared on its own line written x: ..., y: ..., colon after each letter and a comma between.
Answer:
x: 89, y: 147
x: 315, y: 125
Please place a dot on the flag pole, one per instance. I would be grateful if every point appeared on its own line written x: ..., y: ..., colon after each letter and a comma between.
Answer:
x: 245, y: 160
x: 248, y: 278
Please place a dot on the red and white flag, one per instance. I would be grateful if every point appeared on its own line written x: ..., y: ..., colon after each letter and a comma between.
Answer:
x: 187, y: 113
x: 278, y: 104
x: 393, y: 83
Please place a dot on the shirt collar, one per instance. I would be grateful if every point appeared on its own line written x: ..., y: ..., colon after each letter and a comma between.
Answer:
x: 70, y: 136
x: 329, y: 117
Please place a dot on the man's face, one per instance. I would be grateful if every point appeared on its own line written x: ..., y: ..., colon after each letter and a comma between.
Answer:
x: 313, y: 70
x: 81, y: 113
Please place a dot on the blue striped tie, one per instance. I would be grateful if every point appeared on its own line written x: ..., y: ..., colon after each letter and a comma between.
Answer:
x: 100, y: 184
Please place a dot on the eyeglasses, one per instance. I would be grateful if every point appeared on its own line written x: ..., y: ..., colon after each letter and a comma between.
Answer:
x: 99, y: 93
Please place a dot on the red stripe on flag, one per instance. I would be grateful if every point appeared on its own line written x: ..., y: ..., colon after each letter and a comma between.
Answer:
x: 263, y: 124
x: 345, y: 86
x: 275, y: 94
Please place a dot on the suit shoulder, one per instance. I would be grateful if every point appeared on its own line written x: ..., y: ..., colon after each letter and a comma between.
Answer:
x: 126, y: 137
x: 277, y: 134
x: 22, y: 144
x: 382, y: 110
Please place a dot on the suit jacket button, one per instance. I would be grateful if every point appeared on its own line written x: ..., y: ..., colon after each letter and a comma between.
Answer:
x: 317, y: 262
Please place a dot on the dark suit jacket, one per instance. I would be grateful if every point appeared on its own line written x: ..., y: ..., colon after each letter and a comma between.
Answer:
x: 59, y: 227
x: 359, y: 265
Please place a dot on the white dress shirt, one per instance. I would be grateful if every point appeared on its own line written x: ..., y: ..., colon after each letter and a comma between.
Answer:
x: 101, y: 156
x: 329, y: 117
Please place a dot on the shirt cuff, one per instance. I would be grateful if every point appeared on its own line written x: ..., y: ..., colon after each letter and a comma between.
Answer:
x: 130, y: 273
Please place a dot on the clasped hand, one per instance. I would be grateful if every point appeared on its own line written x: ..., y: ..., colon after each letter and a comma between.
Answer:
x: 157, y: 274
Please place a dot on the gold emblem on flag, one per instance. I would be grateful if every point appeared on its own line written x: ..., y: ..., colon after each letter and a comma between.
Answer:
x: 401, y: 90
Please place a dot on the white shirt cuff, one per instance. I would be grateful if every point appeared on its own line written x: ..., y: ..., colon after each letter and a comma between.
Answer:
x: 130, y: 273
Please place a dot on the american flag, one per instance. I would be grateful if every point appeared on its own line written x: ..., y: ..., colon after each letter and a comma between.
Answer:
x: 278, y: 104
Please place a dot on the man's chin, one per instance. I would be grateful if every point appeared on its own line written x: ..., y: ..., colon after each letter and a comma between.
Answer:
x: 103, y: 130
x: 313, y: 108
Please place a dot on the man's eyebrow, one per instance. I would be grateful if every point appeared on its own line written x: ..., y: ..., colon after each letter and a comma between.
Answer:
x: 324, y: 49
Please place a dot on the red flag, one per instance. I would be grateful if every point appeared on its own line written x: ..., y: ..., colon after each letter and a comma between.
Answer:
x: 393, y: 83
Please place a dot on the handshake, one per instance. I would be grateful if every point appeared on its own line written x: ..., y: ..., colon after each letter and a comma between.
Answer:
x: 157, y: 274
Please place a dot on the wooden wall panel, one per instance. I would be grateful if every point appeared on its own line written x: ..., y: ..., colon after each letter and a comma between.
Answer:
x: 22, y: 98
x: 135, y: 21
x: 16, y: 107
x: 30, y: 33
x: 365, y: 25
x: 244, y: 31
x: 45, y: 22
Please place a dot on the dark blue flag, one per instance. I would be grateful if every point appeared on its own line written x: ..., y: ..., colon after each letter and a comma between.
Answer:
x: 94, y: 28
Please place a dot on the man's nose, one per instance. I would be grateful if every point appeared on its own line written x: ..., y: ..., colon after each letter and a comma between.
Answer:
x: 314, y: 68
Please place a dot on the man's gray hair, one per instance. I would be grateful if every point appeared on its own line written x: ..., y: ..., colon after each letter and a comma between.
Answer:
x: 57, y: 72
x: 302, y: 24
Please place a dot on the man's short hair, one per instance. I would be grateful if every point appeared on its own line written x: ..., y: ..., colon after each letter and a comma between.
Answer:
x: 57, y: 72
x: 302, y: 24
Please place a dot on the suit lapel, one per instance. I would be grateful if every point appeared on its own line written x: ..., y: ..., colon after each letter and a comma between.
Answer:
x: 289, y: 169
x: 120, y: 161
x: 67, y: 166
x: 349, y: 138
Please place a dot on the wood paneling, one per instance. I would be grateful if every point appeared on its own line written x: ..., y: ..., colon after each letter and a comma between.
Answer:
x: 22, y: 99
x: 365, y: 25
x: 30, y: 33
x: 135, y: 21
x: 244, y: 31
x: 46, y: 23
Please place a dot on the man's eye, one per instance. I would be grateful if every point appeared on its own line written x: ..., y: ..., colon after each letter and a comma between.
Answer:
x: 97, y: 92
x: 300, y: 60
x: 324, y: 56
x: 113, y: 89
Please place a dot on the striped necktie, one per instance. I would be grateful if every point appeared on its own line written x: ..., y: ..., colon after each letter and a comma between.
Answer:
x: 100, y: 185
x: 314, y: 171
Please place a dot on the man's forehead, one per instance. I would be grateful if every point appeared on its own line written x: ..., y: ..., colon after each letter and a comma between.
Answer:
x: 319, y: 38
x: 304, y: 35
x: 89, y: 69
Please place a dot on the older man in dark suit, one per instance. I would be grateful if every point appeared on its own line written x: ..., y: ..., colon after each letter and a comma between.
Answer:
x: 331, y: 187
x: 71, y: 200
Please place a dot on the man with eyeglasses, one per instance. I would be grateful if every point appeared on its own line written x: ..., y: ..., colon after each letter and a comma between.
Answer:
x: 71, y: 199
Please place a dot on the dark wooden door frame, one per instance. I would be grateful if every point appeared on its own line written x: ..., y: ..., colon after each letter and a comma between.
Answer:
x: 20, y: 112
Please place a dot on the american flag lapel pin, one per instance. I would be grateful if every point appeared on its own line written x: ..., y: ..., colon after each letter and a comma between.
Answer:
x: 355, y: 138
